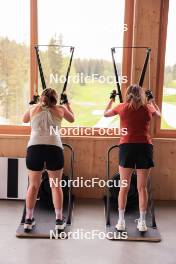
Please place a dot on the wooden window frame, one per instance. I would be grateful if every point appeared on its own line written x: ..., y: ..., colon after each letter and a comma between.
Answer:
x: 128, y: 41
x: 25, y: 130
x: 127, y: 59
x: 161, y: 68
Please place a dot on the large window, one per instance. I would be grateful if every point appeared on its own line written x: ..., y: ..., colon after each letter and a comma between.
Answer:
x: 14, y: 60
x: 169, y: 86
x: 93, y: 27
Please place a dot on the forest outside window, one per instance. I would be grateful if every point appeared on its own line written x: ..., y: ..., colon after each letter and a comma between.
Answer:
x: 168, y: 121
x: 14, y: 61
x: 93, y: 28
x: 92, y: 39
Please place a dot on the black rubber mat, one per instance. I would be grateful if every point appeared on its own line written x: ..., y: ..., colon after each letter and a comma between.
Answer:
x: 131, y: 233
x: 45, y: 223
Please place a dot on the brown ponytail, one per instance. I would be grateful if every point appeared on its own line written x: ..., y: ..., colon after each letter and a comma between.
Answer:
x: 49, y: 97
x: 135, y: 96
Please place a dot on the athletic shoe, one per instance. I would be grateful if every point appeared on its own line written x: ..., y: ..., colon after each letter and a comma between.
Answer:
x: 29, y: 224
x: 120, y: 225
x: 60, y: 224
x: 141, y: 225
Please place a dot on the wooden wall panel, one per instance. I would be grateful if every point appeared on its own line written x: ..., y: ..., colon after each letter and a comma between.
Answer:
x: 164, y: 173
x: 90, y: 161
x: 146, y: 33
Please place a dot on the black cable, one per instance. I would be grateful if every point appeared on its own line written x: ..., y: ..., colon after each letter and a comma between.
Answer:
x: 63, y: 97
x: 42, y: 78
x: 143, y: 72
x: 68, y: 70
x: 130, y: 47
x: 54, y: 45
x: 116, y: 76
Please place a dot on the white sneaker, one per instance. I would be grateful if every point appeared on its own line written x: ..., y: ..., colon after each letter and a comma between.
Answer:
x: 120, y: 225
x: 141, y: 225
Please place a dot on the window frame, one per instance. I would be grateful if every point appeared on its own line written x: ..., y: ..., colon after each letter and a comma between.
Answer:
x: 127, y: 58
x: 25, y: 130
x: 161, y: 68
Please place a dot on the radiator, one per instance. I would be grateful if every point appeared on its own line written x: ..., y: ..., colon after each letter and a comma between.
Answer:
x: 13, y: 178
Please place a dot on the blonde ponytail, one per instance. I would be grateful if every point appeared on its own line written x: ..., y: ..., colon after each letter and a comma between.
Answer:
x: 49, y: 97
x: 135, y: 96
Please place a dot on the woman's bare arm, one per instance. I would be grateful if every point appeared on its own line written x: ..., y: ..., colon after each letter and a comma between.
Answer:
x: 108, y: 111
x: 68, y: 113
x: 26, y: 116
x: 158, y: 111
x: 31, y: 112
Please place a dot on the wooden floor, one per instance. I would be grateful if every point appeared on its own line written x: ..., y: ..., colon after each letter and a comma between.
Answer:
x: 88, y: 215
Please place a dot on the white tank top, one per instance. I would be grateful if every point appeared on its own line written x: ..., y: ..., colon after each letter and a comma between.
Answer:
x: 45, y: 129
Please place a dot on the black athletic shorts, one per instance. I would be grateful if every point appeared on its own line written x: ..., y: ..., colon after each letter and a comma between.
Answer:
x: 136, y: 155
x: 49, y: 157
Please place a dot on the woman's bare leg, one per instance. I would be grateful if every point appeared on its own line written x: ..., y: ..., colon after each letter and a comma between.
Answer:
x: 57, y: 193
x: 31, y: 196
x: 142, y: 177
x: 125, y: 175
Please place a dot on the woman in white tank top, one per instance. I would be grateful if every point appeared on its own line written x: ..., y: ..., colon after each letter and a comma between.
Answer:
x: 45, y: 151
